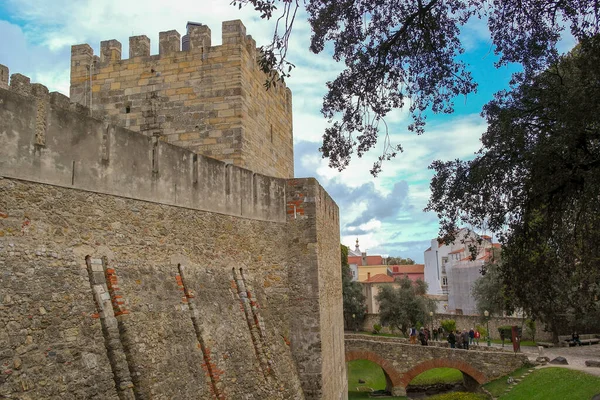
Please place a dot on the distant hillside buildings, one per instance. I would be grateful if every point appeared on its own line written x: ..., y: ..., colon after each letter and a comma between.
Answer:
x: 448, y: 271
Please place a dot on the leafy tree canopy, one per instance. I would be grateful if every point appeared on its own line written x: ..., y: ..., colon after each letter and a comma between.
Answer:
x: 488, y: 290
x: 399, y: 261
x: 404, y: 306
x: 404, y: 52
x: 536, y: 181
x: 353, y: 297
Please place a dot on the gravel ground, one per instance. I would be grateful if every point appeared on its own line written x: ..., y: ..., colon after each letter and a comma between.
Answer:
x: 576, y: 356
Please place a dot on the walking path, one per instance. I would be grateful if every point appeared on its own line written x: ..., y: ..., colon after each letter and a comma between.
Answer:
x: 576, y: 356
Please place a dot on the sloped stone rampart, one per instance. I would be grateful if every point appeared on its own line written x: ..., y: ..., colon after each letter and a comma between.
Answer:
x: 54, y: 345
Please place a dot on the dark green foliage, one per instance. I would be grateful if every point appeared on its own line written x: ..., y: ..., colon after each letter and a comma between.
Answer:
x: 530, y: 328
x: 506, y: 331
x: 488, y: 290
x: 353, y: 297
x: 404, y: 306
x: 449, y: 325
x: 405, y: 52
x: 399, y: 261
x: 376, y: 328
x: 536, y: 181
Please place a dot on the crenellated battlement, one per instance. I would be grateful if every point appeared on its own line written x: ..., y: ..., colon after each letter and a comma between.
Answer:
x: 51, y: 140
x: 22, y: 85
x: 210, y: 99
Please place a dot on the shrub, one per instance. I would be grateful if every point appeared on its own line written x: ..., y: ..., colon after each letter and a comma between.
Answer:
x: 530, y: 328
x: 449, y: 325
x: 376, y: 328
x: 482, y: 331
x: 506, y: 331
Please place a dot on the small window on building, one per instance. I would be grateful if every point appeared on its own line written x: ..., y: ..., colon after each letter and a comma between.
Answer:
x: 444, y: 281
x: 444, y: 260
x: 127, y: 110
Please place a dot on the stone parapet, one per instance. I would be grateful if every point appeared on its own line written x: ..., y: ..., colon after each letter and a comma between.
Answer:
x: 44, y: 142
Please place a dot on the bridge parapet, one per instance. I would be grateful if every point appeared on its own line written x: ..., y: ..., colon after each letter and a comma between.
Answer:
x: 401, y: 362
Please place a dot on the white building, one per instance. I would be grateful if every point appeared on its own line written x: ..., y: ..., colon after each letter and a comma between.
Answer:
x: 450, y: 271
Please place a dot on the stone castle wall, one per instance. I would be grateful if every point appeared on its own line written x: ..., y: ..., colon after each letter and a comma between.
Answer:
x: 44, y: 140
x: 209, y: 99
x: 134, y: 269
x: 318, y: 323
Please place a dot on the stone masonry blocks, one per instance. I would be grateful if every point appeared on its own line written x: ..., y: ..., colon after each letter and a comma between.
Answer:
x: 209, y: 99
x: 3, y: 76
x: 139, y: 46
x: 168, y: 42
x: 233, y: 32
x: 20, y: 84
x: 200, y: 36
x: 110, y: 50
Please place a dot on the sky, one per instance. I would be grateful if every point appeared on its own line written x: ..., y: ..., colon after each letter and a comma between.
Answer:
x: 385, y: 213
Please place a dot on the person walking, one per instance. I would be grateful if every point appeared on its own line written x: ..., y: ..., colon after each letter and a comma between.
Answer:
x: 471, y: 336
x: 477, y: 336
x: 413, y: 336
x: 465, y: 336
x: 459, y: 340
x: 422, y: 337
x: 452, y: 340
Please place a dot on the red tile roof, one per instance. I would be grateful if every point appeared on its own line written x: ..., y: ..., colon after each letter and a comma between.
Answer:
x: 371, y: 260
x: 457, y: 251
x: 380, y: 278
x: 407, y: 269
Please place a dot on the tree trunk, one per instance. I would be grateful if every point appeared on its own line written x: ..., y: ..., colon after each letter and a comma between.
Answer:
x: 554, y: 334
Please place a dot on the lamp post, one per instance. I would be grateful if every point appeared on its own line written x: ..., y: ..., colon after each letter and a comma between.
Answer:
x: 487, y: 320
x: 354, y: 322
x: 431, y: 319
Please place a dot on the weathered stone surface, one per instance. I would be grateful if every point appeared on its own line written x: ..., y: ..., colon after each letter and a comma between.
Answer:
x: 559, y: 361
x: 211, y: 100
x: 84, y: 153
x: 44, y: 267
x: 592, y: 363
x: 542, y: 360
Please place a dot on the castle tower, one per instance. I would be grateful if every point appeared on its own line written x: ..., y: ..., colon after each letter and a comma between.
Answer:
x: 209, y: 99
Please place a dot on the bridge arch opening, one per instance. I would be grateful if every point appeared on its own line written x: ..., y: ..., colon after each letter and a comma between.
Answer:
x: 472, y: 378
x: 392, y: 378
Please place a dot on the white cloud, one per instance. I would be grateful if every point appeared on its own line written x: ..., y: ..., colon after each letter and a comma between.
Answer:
x: 40, y: 48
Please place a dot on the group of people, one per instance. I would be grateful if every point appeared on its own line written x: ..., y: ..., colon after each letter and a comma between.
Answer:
x: 423, y: 336
x: 458, y: 340
x: 462, y: 340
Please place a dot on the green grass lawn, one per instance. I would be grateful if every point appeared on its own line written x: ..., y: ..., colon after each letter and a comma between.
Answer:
x: 498, y: 386
x: 438, y: 375
x: 374, y: 378
x: 369, y: 372
x: 555, y: 384
x: 459, y: 396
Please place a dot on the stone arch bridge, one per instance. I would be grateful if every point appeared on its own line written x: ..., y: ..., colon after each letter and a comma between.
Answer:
x: 401, y: 361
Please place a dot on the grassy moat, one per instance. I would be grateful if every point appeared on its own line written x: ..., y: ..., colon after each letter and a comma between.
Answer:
x: 541, y: 384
